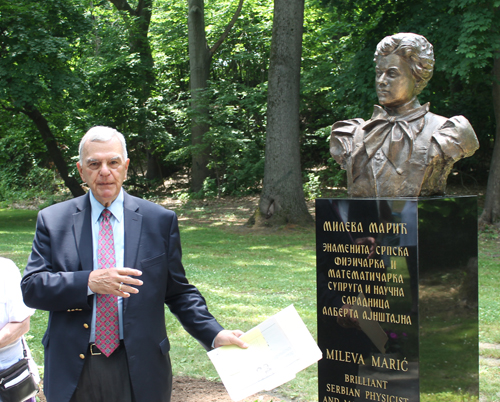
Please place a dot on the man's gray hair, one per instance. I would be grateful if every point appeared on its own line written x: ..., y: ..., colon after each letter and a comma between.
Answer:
x: 417, y: 51
x: 102, y: 134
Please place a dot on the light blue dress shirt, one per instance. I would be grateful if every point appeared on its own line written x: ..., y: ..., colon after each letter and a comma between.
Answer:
x: 116, y: 209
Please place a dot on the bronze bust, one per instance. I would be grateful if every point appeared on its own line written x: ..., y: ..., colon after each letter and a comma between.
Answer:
x: 403, y: 150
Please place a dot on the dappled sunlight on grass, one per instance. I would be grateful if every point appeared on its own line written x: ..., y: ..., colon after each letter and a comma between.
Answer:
x: 489, y: 316
x: 246, y: 278
x: 489, y: 285
x: 17, y: 229
x: 446, y: 397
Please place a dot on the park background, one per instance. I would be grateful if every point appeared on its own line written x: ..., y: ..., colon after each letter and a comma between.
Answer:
x: 193, y: 86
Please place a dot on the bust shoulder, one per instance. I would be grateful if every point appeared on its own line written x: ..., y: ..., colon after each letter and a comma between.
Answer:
x: 455, y: 137
x: 434, y: 121
x: 342, y: 139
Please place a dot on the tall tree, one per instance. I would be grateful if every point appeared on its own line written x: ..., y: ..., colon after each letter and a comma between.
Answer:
x: 282, y: 199
x: 491, y: 212
x: 200, y: 57
x: 37, y: 42
x: 138, y: 20
x: 55, y: 152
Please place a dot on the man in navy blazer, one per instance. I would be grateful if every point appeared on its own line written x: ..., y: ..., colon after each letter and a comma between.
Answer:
x: 61, y: 278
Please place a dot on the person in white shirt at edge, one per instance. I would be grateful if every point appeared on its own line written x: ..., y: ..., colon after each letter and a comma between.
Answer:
x: 14, y: 316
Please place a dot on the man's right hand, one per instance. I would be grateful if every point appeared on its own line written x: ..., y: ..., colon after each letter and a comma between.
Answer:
x: 115, y: 281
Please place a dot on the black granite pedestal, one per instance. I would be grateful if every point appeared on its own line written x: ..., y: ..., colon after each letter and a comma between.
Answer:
x: 397, y: 299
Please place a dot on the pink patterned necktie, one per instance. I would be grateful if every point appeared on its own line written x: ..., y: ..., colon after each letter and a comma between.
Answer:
x: 107, y: 337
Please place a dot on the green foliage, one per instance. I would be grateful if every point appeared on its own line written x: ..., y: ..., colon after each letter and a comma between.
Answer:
x: 478, y: 37
x: 21, y: 177
x: 236, y: 97
x: 244, y: 55
x: 85, y: 63
x: 237, y: 137
x: 321, y: 170
x: 312, y: 186
x: 37, y: 43
x: 119, y: 80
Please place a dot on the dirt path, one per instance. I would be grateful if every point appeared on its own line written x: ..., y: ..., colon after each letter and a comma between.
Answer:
x: 186, y: 389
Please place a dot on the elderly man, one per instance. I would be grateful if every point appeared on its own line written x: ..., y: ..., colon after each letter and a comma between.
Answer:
x: 403, y: 150
x: 103, y: 265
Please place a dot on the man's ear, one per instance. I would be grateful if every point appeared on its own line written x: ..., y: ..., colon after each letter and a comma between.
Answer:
x: 80, y: 170
x: 126, y: 168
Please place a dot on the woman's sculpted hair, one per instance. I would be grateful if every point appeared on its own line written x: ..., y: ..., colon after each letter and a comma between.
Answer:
x: 415, y: 49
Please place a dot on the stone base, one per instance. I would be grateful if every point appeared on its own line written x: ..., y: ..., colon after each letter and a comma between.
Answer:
x: 397, y: 298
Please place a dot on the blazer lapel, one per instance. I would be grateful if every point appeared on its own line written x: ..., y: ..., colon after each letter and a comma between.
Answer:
x: 132, y: 226
x: 83, y: 232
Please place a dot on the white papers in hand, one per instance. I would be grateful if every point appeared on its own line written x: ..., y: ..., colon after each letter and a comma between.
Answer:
x: 278, y: 348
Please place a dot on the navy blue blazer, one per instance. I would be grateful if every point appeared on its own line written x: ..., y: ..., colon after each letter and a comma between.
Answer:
x: 56, y: 279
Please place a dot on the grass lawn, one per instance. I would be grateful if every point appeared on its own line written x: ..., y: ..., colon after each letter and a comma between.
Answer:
x: 489, y: 315
x: 249, y: 275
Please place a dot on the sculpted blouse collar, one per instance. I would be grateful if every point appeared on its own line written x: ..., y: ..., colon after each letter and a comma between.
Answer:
x: 393, y: 134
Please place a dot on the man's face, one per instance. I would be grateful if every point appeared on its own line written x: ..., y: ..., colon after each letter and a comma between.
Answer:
x: 103, y: 169
x: 395, y: 81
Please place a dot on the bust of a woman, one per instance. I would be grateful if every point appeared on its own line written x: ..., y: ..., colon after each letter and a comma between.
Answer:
x: 404, y: 150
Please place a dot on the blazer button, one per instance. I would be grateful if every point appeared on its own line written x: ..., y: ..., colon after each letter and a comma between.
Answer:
x: 86, y: 326
x: 82, y: 356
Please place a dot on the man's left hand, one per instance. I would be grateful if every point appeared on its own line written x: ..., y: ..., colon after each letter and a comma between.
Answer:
x: 226, y: 337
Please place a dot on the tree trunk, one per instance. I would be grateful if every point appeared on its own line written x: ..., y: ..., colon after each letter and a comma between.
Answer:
x: 199, y: 64
x: 282, y: 200
x: 200, y: 57
x: 138, y: 20
x: 53, y: 149
x: 491, y: 212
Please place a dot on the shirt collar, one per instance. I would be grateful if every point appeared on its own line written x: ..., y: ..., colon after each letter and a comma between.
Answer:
x: 116, y: 207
